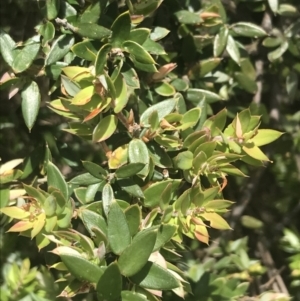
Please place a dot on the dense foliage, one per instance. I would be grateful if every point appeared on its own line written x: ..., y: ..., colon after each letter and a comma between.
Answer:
x: 133, y: 148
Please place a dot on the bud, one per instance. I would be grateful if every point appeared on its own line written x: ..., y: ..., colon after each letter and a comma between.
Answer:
x: 163, y: 71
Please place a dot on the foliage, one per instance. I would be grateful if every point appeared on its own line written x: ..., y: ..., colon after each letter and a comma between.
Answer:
x: 126, y: 166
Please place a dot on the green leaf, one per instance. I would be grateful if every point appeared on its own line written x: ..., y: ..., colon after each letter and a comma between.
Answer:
x: 92, y: 31
x: 51, y: 9
x: 159, y: 155
x: 159, y: 33
x: 81, y: 268
x: 153, y: 47
x: 101, y: 59
x: 136, y: 255
x: 31, y: 99
x: 254, y: 152
x: 25, y: 57
x: 265, y: 136
x: 84, y: 179
x: 92, y: 220
x: 49, y: 206
x: 117, y: 228
x: 164, y: 89
x: 85, y: 50
x: 220, y: 41
x: 15, y: 212
x: 138, y: 153
x: 184, y: 160
x: 91, y: 13
x: 7, y: 46
x: 109, y: 286
x: 153, y: 276
x: 95, y: 169
x: 186, y: 17
x: 245, y: 82
x: 133, y: 296
x: 146, y: 7
x: 277, y: 53
x: 248, y: 30
x: 107, y: 197
x: 129, y: 170
x: 83, y: 96
x: 233, y: 49
x: 274, y: 4
x: 121, y: 98
x: 47, y: 30
x: 164, y: 234
x: 251, y: 222
x: 134, y: 217
x: 196, y: 95
x: 216, y: 220
x: 139, y: 35
x: 153, y: 192
x: 163, y: 108
x: 121, y: 29
x: 138, y: 52
x: 131, y: 188
x: 56, y: 180
x: 105, y: 128
x: 59, y: 49
x: 292, y: 84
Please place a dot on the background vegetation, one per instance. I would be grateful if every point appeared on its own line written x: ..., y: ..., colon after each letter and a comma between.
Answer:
x: 187, y: 60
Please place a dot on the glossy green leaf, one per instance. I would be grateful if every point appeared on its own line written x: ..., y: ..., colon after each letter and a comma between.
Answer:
x: 136, y: 255
x: 56, y: 180
x: 159, y: 155
x: 132, y: 296
x: 51, y: 9
x: 134, y: 217
x: 139, y: 35
x: 107, y: 198
x: 31, y: 100
x: 129, y: 170
x: 117, y: 228
x: 196, y: 95
x: 159, y: 33
x: 92, y: 220
x: 163, y: 108
x: 138, y: 52
x: 277, y: 53
x: 121, y: 29
x: 25, y: 57
x: 255, y: 152
x: 109, y: 286
x: 47, y: 30
x: 265, y: 136
x: 91, y: 13
x: 81, y: 268
x: 83, y: 96
x: 184, y: 160
x: 153, y: 276
x: 121, y: 98
x: 92, y: 31
x: 245, y: 82
x: 153, y: 47
x: 154, y: 191
x: 146, y: 7
x: 85, y: 50
x: 220, y: 41
x: 233, y: 49
x: 84, y: 179
x: 105, y: 128
x: 164, y: 234
x: 248, y: 30
x: 138, y: 153
x: 164, y: 89
x: 7, y: 45
x: 186, y: 17
x: 131, y: 188
x: 101, y: 58
x: 216, y: 220
x: 95, y: 169
x: 60, y: 47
